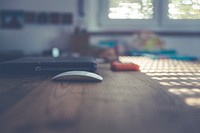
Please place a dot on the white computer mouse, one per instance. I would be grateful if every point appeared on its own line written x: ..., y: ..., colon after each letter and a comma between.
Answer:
x: 80, y: 76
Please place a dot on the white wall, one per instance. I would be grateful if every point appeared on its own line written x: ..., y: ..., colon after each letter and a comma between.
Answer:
x: 35, y: 38
x: 185, y: 45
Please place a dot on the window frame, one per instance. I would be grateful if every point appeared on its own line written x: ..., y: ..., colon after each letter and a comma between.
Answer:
x: 105, y: 21
x: 176, y: 22
x: 97, y: 19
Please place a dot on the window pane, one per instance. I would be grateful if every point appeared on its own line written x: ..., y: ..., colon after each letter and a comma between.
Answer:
x: 130, y: 9
x: 184, y: 9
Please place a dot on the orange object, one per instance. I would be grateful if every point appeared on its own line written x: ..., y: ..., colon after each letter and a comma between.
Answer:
x: 118, y: 66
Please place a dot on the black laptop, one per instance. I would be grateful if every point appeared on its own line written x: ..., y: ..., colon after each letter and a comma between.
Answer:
x: 48, y: 65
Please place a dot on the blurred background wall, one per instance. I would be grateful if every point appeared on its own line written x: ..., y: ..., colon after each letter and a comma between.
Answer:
x: 33, y: 39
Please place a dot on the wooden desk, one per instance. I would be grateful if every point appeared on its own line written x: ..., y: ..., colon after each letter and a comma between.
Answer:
x: 125, y: 102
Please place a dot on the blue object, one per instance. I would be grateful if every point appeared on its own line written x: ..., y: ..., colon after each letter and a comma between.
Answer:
x: 175, y: 57
x: 162, y: 54
x: 154, y: 52
x: 109, y: 43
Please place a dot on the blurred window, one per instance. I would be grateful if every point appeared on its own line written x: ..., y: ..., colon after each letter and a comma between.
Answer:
x: 157, y: 15
x: 128, y: 13
x: 183, y: 9
x: 131, y: 9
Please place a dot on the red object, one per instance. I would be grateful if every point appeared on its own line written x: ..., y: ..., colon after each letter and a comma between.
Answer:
x: 118, y: 66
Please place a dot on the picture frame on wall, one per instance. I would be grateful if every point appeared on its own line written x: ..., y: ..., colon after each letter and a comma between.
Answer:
x: 67, y: 19
x: 30, y: 17
x: 54, y: 18
x: 42, y: 18
x: 12, y: 19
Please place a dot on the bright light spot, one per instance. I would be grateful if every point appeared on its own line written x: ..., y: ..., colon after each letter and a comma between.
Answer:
x: 196, y: 6
x: 165, y: 83
x: 157, y: 78
x: 184, y: 91
x: 186, y: 83
x: 187, y: 2
x: 180, y: 74
x: 196, y: 90
x: 55, y: 52
x: 184, y: 9
x: 151, y: 74
x: 196, y: 83
x: 173, y: 78
x: 175, y: 91
x: 195, y: 102
x: 187, y: 91
x: 173, y: 11
x: 130, y: 10
x: 131, y: 5
x: 175, y: 83
x: 193, y: 78
x: 183, y: 78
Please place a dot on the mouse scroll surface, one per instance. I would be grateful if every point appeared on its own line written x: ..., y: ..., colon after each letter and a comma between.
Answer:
x: 78, y: 76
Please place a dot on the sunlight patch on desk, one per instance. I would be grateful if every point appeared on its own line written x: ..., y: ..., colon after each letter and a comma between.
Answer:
x: 175, y: 83
x: 166, y: 84
x: 196, y: 84
x: 157, y: 78
x: 186, y: 83
x: 193, y: 78
x: 198, y: 74
x: 194, y: 102
x: 168, y: 74
x: 183, y: 78
x: 180, y: 78
x: 185, y: 91
x: 174, y: 78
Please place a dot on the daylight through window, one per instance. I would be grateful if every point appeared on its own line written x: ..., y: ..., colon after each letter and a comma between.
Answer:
x: 131, y: 9
x: 184, y: 9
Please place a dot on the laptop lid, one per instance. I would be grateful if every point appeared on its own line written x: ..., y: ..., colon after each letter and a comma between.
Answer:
x: 48, y: 65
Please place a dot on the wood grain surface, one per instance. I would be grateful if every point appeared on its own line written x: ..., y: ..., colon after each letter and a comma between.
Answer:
x: 125, y: 102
